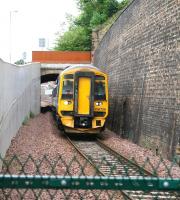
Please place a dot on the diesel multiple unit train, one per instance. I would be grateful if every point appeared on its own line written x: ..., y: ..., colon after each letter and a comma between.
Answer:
x: 80, y: 100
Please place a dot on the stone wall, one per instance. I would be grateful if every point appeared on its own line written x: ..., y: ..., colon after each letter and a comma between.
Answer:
x: 19, y: 98
x: 141, y: 54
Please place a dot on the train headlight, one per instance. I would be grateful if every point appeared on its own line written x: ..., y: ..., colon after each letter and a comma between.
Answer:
x: 67, y: 102
x: 98, y: 103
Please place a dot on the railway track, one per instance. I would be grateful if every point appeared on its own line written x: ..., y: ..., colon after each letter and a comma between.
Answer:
x: 110, y: 163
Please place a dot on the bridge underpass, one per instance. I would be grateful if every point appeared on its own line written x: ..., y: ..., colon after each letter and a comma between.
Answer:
x: 49, y: 77
x: 54, y: 62
x: 49, y: 72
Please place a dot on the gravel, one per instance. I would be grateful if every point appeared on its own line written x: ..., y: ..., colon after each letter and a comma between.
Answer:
x: 50, y: 153
x: 48, y: 149
x: 144, y: 157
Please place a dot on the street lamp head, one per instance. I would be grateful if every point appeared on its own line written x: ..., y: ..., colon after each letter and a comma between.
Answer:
x: 15, y: 11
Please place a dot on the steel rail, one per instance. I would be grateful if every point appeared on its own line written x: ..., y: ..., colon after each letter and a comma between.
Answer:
x: 111, y: 151
x: 100, y: 172
x: 115, y: 153
x: 83, y: 155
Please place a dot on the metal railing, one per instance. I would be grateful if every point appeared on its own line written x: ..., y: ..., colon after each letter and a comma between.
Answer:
x: 47, y: 178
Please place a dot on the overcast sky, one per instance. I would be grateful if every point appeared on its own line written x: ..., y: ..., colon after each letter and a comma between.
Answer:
x: 30, y: 20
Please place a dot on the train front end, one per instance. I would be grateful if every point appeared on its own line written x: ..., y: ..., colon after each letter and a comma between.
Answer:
x: 83, y: 100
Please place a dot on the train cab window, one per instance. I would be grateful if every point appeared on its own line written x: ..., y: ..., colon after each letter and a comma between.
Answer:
x: 98, y: 77
x: 68, y: 76
x: 99, y: 91
x: 67, y: 90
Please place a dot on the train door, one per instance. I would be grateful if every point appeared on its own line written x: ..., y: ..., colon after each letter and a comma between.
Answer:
x: 84, y: 95
x: 83, y: 99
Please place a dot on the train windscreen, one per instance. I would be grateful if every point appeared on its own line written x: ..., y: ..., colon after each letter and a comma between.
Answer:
x: 99, y: 91
x: 67, y: 90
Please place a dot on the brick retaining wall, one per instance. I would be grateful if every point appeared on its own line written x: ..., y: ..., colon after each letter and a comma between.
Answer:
x: 141, y: 54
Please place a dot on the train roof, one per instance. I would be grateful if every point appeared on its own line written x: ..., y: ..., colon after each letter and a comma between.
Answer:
x: 82, y: 67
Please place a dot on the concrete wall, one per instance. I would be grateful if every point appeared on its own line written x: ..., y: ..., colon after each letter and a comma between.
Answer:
x: 141, y: 54
x: 19, y: 96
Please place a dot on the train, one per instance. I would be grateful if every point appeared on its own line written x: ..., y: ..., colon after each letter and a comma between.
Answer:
x: 80, y: 100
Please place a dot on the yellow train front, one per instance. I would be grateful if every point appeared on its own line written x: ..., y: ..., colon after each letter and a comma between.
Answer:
x: 82, y: 100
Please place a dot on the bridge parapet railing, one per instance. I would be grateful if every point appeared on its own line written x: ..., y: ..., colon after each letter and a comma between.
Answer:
x: 49, y: 178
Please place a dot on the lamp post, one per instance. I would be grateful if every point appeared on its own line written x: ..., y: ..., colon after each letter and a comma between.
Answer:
x: 10, y: 32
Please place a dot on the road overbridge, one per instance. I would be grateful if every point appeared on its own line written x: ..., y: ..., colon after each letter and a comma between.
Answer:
x: 54, y: 62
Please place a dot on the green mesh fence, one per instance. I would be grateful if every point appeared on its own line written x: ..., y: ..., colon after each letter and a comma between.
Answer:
x: 75, y: 178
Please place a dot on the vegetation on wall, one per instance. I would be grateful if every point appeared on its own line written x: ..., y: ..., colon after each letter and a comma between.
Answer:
x: 20, y: 62
x: 92, y: 14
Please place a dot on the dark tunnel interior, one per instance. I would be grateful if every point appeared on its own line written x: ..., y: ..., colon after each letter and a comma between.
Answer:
x: 48, y: 77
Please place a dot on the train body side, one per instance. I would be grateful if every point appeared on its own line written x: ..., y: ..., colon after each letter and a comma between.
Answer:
x: 82, y: 100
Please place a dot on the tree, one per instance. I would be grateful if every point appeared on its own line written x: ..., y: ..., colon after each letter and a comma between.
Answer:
x: 20, y: 62
x: 93, y: 13
x: 76, y: 39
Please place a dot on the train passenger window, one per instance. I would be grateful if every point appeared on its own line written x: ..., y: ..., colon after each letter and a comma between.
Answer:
x: 99, y: 91
x: 67, y: 90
